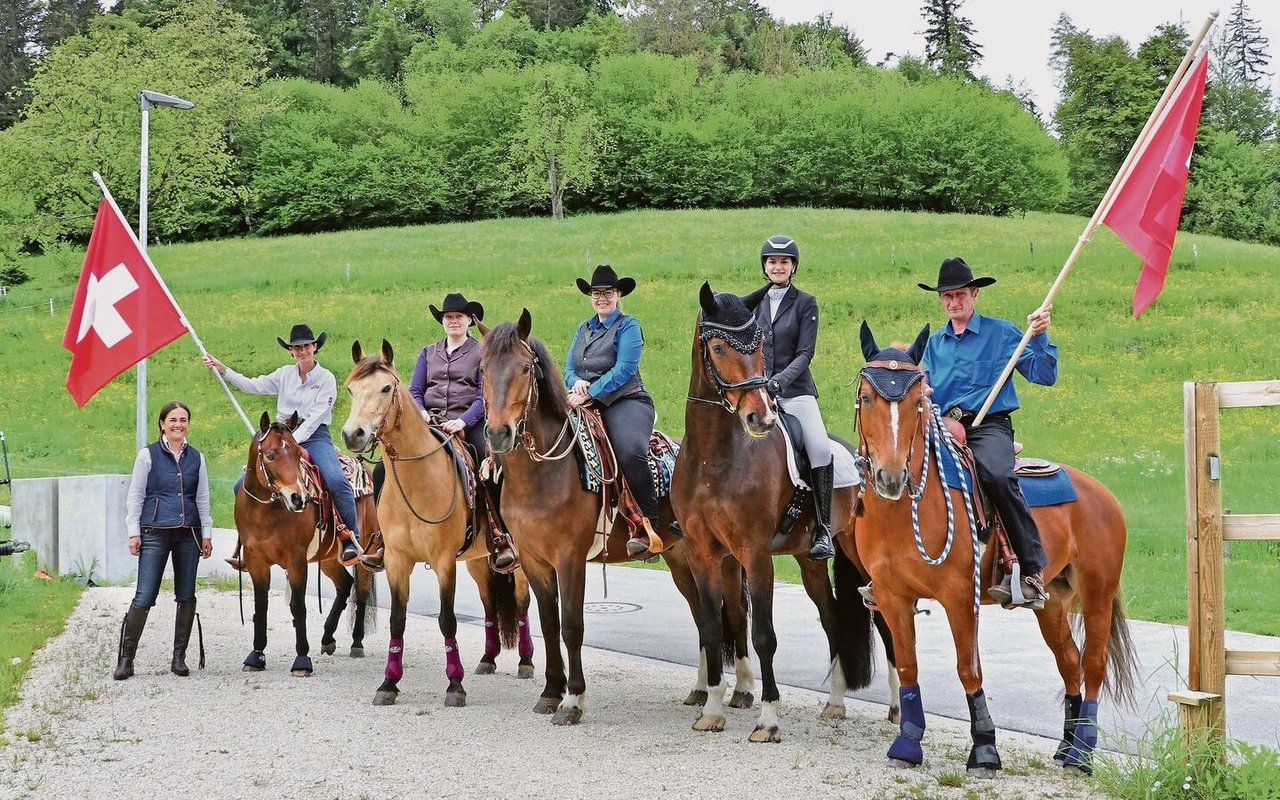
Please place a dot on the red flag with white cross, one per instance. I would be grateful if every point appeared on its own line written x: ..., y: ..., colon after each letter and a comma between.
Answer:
x: 122, y: 311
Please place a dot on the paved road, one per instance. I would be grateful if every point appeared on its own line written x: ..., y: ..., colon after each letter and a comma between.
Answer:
x: 644, y: 615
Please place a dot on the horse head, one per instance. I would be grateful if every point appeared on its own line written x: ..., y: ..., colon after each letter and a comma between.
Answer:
x: 519, y: 379
x: 728, y: 362
x: 890, y: 411
x: 374, y: 386
x: 277, y: 462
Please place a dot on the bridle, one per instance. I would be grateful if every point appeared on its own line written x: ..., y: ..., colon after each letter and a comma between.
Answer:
x: 564, y: 441
x: 914, y: 374
x: 734, y: 336
x: 267, y: 479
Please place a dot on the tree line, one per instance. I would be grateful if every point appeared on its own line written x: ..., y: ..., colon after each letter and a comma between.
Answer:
x: 319, y: 115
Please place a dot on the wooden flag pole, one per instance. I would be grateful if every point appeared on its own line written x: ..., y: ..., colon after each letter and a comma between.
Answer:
x: 1139, y: 145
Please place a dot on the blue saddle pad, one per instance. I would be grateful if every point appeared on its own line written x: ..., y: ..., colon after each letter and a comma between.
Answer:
x: 1047, y: 490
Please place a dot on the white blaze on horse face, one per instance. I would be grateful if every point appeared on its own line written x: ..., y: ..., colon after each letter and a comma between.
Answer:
x: 894, y: 423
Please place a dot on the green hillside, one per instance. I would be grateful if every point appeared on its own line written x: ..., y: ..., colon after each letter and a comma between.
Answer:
x: 1116, y: 411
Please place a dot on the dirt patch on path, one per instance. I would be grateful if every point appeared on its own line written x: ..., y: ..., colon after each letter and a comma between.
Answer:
x: 226, y: 733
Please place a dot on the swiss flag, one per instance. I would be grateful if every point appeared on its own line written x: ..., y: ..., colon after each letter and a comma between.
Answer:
x: 122, y: 311
x: 1146, y: 208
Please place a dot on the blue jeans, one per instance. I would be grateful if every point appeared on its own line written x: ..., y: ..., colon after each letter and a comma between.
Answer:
x: 325, y: 456
x: 157, y: 544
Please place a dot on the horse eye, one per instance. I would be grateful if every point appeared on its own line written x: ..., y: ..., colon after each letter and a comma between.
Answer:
x: 526, y: 369
x: 718, y: 349
x: 386, y: 389
x: 864, y: 398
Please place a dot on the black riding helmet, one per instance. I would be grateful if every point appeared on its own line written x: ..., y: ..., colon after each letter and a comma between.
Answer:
x: 780, y: 246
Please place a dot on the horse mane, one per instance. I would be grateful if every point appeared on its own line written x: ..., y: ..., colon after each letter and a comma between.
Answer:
x: 504, y: 340
x: 369, y: 365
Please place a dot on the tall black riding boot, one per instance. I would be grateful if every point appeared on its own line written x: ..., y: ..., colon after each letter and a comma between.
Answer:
x: 820, y: 547
x: 135, y: 619
x: 182, y: 635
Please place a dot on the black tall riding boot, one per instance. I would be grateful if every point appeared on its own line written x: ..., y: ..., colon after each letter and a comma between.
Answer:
x: 135, y: 619
x: 182, y: 635
x: 820, y: 547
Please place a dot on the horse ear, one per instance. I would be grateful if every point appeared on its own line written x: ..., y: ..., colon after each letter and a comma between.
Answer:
x: 525, y: 325
x: 388, y: 355
x: 357, y: 355
x: 293, y: 422
x: 917, y: 348
x: 265, y: 422
x: 869, y: 346
x: 707, y: 299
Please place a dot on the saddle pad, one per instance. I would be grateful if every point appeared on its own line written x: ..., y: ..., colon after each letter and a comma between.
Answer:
x: 662, y: 461
x: 356, y: 475
x: 1046, y: 490
x: 846, y: 472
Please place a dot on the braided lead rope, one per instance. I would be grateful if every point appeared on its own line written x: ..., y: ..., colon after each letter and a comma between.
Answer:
x: 951, y: 444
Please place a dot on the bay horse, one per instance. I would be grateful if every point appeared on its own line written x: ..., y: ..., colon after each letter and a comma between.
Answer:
x: 730, y: 489
x: 553, y: 518
x: 279, y: 520
x: 911, y: 515
x: 424, y: 519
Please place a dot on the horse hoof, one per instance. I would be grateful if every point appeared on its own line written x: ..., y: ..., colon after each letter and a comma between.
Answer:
x: 525, y: 671
x: 382, y: 698
x: 742, y: 700
x: 357, y: 652
x: 833, y: 712
x: 983, y: 773
x: 455, y: 699
x: 546, y: 705
x: 251, y: 668
x: 900, y: 764
x: 1079, y: 769
x: 762, y: 734
x: 328, y: 649
x: 698, y: 697
x: 895, y: 715
x: 709, y: 724
x: 567, y: 716
x: 486, y: 668
x: 300, y: 673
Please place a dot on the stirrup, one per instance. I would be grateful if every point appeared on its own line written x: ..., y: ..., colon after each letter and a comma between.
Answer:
x: 502, y: 565
x: 236, y: 563
x: 868, y: 599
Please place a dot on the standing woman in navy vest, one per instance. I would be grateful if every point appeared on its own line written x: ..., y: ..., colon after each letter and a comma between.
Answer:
x: 167, y: 512
x: 790, y: 321
x: 603, y: 367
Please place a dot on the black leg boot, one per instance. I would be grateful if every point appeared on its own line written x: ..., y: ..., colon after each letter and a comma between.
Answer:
x: 135, y: 619
x: 182, y: 635
x: 821, y: 548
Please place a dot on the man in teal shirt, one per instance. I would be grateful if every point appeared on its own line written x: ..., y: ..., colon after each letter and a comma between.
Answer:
x: 962, y: 361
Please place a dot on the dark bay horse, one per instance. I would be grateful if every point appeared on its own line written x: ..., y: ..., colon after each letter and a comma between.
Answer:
x: 424, y: 519
x: 279, y: 521
x: 553, y: 518
x: 910, y: 516
x: 730, y: 488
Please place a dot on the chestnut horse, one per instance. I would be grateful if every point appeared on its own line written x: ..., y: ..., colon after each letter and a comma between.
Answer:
x: 279, y: 521
x: 553, y: 518
x: 424, y: 520
x: 730, y: 491
x: 910, y: 510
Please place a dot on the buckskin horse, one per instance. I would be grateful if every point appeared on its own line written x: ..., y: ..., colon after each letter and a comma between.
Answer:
x: 729, y: 492
x: 280, y: 521
x: 910, y: 511
x: 553, y: 518
x: 424, y: 520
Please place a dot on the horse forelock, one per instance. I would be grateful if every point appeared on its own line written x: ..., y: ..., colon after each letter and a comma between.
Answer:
x: 368, y: 366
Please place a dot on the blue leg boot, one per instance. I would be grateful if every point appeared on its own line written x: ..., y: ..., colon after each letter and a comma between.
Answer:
x: 984, y: 759
x: 1084, y: 739
x: 1071, y: 708
x: 906, y: 747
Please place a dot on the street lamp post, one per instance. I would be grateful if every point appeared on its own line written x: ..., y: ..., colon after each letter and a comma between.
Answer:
x: 148, y: 100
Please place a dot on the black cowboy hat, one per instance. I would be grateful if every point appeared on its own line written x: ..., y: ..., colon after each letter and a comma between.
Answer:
x: 605, y: 278
x: 955, y: 274
x: 301, y: 334
x: 455, y: 303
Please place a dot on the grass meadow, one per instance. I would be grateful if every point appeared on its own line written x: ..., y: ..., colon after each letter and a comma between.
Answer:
x: 1116, y: 411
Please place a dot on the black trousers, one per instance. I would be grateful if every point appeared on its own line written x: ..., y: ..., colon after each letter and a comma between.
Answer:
x: 629, y: 421
x: 992, y: 446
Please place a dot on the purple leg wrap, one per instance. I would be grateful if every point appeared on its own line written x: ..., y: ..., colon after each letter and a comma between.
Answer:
x: 452, y: 661
x: 526, y: 638
x: 492, y: 646
x: 395, y: 661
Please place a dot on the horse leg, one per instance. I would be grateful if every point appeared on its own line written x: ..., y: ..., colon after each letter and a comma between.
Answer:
x: 984, y: 759
x: 260, y: 573
x: 735, y: 630
x: 447, y: 574
x: 342, y: 582
x: 817, y: 585
x: 891, y: 674
x: 1056, y: 631
x: 708, y: 579
x: 480, y: 572
x: 1100, y: 608
x: 398, y: 569
x: 899, y: 615
x: 364, y: 610
x: 760, y: 579
x: 542, y: 580
x: 524, y: 633
x: 297, y: 572
x: 573, y: 589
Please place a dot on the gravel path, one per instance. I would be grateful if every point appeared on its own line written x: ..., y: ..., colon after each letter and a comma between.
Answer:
x: 225, y: 733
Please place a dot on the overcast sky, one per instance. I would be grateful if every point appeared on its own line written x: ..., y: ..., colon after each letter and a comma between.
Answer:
x: 1014, y: 34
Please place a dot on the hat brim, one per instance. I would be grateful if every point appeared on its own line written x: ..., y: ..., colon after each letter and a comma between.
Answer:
x: 318, y: 341
x: 472, y: 309
x: 625, y: 286
x: 976, y: 283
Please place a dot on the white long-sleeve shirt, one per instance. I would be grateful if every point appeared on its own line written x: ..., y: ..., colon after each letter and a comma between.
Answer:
x: 138, y: 493
x: 313, y: 398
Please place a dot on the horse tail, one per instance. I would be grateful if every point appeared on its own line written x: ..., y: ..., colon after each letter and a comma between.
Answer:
x: 1122, y: 657
x: 366, y: 591
x: 729, y: 639
x: 853, y: 623
x: 502, y: 599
